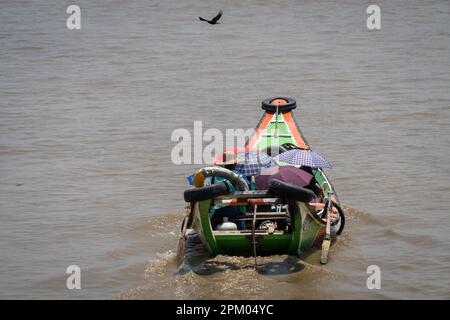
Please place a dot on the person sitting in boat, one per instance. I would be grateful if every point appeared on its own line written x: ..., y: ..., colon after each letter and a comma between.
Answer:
x: 318, y: 204
x: 314, y: 186
x: 229, y: 161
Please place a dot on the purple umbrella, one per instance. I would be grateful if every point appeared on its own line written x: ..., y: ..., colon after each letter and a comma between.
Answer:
x: 287, y: 174
x: 303, y: 158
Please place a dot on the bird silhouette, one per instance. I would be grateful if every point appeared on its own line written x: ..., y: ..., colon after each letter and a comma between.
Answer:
x: 213, y: 20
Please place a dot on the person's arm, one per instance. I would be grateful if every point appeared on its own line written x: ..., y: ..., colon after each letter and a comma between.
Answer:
x: 319, y: 206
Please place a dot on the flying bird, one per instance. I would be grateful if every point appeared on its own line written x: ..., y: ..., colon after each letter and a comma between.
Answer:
x: 213, y: 20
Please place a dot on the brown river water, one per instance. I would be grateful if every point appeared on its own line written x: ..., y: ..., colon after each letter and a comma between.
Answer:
x: 86, y: 118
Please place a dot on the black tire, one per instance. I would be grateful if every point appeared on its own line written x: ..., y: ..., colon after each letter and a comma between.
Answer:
x: 341, y: 216
x: 268, y: 106
x: 290, y: 191
x: 206, y: 193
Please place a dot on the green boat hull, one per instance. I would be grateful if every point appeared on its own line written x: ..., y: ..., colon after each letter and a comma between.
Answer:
x: 306, y: 231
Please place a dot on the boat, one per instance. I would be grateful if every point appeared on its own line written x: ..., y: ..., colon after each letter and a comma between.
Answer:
x: 279, y: 220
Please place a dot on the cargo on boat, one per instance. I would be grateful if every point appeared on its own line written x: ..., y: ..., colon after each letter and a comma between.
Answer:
x: 282, y: 203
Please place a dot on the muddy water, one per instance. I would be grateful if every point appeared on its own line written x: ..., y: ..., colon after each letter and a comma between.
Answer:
x: 86, y: 119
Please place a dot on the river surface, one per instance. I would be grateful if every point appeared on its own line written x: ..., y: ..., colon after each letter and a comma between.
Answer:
x: 86, y: 118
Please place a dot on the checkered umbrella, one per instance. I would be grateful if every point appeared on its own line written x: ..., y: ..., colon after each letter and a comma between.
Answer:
x: 251, y: 163
x: 303, y: 158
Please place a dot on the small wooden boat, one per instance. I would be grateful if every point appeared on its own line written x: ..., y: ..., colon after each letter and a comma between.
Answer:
x: 279, y: 220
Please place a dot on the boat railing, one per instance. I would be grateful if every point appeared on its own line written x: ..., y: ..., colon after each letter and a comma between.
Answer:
x: 233, y: 201
x: 248, y: 194
x: 327, y: 184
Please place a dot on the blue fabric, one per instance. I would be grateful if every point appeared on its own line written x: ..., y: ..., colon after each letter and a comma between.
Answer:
x: 190, y: 180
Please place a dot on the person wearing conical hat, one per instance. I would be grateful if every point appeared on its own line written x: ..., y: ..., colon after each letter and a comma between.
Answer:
x: 228, y: 160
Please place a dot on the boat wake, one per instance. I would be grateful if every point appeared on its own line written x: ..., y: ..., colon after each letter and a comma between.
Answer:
x: 201, y: 276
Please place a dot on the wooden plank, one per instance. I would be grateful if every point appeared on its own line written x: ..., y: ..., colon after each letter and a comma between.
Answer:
x: 267, y: 216
x: 327, y: 238
x: 274, y: 214
x: 247, y: 194
x: 240, y: 202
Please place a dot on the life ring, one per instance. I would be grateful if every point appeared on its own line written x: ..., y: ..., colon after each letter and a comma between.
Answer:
x: 206, y: 193
x: 236, y: 179
x: 341, y: 219
x: 283, y: 104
